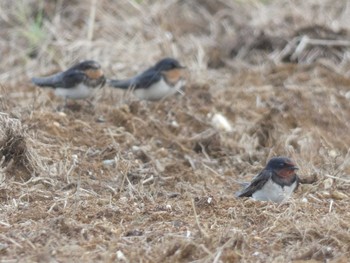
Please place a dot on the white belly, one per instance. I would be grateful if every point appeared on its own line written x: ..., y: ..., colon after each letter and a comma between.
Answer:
x: 158, y: 91
x: 274, y: 192
x: 80, y: 91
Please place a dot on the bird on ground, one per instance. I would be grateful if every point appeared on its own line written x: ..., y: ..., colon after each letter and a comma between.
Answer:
x: 162, y: 80
x: 276, y: 182
x: 77, y: 82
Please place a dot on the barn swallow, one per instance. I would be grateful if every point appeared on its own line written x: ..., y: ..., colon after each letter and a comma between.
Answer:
x: 77, y: 82
x: 162, y: 80
x: 276, y: 182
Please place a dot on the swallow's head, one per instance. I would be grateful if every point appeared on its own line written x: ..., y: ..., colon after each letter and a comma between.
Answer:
x: 282, y: 166
x: 171, y: 70
x: 87, y: 65
x: 92, y: 70
x: 167, y: 64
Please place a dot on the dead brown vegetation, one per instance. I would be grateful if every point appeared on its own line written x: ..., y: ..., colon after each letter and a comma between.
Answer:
x: 126, y: 180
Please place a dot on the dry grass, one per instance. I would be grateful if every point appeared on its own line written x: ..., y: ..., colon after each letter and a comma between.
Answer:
x: 130, y: 181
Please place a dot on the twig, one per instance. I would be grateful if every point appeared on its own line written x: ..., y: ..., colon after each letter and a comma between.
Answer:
x: 92, y: 20
x: 75, y: 161
x: 217, y: 257
x: 305, y: 41
x: 213, y: 171
x: 11, y: 240
x: 300, y: 48
x: 330, y: 206
x: 5, y: 224
x: 328, y: 42
x: 338, y: 178
x: 148, y: 180
x: 197, y: 220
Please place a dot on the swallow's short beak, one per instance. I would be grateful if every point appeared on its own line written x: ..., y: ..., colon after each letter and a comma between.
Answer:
x: 293, y: 168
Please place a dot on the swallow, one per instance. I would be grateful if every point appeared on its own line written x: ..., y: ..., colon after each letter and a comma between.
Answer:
x: 163, y: 79
x: 77, y: 82
x: 276, y: 182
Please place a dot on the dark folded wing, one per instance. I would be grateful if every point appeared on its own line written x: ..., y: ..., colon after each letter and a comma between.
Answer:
x: 50, y: 81
x: 72, y: 78
x: 144, y: 80
x: 256, y: 184
x: 121, y: 84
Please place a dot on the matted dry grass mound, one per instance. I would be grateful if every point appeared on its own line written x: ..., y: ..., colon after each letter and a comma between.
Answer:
x: 18, y: 158
x: 132, y: 181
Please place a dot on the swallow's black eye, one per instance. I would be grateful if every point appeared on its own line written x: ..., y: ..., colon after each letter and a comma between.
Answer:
x: 170, y: 66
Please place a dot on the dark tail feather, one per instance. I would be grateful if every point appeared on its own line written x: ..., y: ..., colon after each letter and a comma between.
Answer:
x: 244, y: 185
x: 241, y: 193
x: 50, y: 81
x: 121, y: 84
x: 237, y: 194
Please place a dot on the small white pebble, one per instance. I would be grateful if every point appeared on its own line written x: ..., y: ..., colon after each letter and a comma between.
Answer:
x: 175, y: 124
x: 101, y: 119
x: 347, y: 95
x: 333, y: 153
x: 121, y: 256
x: 259, y: 103
x: 169, y: 35
x: 304, y: 200
x: 108, y: 162
x: 123, y: 199
x: 220, y: 122
x: 209, y: 200
x: 56, y: 124
x: 135, y: 148
x: 159, y: 166
x: 230, y: 210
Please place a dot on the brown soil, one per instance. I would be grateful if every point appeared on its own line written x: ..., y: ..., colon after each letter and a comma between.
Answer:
x: 131, y: 181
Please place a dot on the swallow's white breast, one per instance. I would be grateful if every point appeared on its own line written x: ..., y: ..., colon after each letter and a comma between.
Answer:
x: 158, y: 90
x: 80, y: 91
x: 272, y: 191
